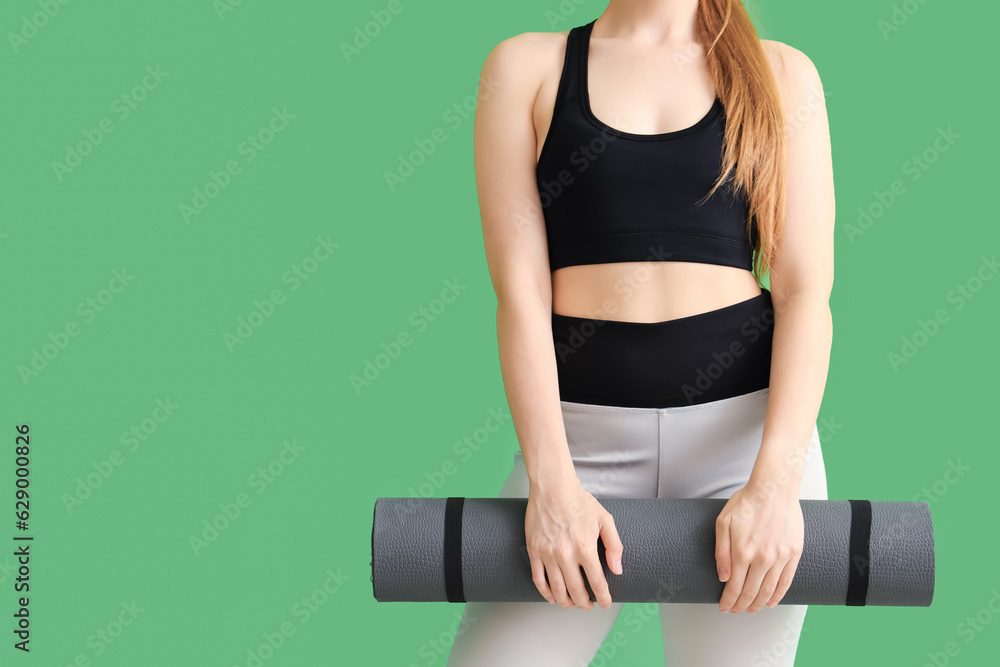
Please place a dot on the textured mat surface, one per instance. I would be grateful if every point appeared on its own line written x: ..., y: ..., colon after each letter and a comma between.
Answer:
x: 473, y: 549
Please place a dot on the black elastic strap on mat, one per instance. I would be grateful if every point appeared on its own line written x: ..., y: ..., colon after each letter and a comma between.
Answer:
x: 860, y: 543
x: 453, y: 549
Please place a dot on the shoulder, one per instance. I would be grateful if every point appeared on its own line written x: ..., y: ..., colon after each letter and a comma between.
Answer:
x: 524, y: 58
x: 795, y: 73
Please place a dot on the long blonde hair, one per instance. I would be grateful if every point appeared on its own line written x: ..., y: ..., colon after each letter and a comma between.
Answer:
x: 754, y: 154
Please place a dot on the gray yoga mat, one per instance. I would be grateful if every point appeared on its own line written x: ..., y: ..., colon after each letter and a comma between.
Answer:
x: 856, y: 552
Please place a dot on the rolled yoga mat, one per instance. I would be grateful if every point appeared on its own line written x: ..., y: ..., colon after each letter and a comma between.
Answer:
x: 856, y: 552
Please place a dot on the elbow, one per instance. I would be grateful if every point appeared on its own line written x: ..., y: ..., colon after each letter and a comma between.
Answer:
x: 524, y: 295
x: 813, y: 293
x: 810, y: 285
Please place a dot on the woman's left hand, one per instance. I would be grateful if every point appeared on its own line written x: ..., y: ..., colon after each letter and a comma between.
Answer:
x: 758, y: 542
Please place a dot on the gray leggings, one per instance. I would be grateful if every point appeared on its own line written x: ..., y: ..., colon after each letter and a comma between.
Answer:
x: 705, y: 450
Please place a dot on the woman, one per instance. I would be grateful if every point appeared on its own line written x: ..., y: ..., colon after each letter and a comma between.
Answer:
x: 627, y: 231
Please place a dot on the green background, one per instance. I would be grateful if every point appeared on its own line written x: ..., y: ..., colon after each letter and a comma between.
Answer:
x: 236, y: 406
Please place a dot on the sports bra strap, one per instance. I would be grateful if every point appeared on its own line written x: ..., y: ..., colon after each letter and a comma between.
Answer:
x: 569, y: 78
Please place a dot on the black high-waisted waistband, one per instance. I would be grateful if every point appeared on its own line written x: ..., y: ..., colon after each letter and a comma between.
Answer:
x: 696, y: 359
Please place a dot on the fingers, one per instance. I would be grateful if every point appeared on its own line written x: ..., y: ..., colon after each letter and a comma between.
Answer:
x: 613, y: 546
x: 734, y: 586
x: 767, y: 588
x: 595, y: 575
x: 785, y: 580
x: 751, y: 585
x: 538, y: 577
x: 570, y: 567
x: 562, y: 544
x: 557, y: 585
x: 767, y: 578
x: 723, y: 560
x: 756, y: 554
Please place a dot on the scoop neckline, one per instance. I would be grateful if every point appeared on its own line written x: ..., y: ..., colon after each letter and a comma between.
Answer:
x: 584, y: 98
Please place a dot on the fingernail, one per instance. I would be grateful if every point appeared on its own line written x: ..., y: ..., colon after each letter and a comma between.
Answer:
x: 618, y: 566
x: 722, y: 575
x: 724, y: 610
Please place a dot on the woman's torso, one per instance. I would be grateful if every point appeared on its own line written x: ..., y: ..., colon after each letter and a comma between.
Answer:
x: 617, y: 84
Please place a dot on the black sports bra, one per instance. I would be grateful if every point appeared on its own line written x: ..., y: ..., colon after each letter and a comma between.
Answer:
x: 614, y: 196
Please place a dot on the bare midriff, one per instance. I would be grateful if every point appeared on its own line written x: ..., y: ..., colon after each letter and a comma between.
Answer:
x: 652, y: 291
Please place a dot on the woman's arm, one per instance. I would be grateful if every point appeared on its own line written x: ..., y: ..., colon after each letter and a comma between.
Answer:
x: 760, y: 533
x: 563, y: 521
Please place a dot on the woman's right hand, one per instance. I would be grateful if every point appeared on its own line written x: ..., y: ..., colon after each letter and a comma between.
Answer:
x: 561, y: 526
